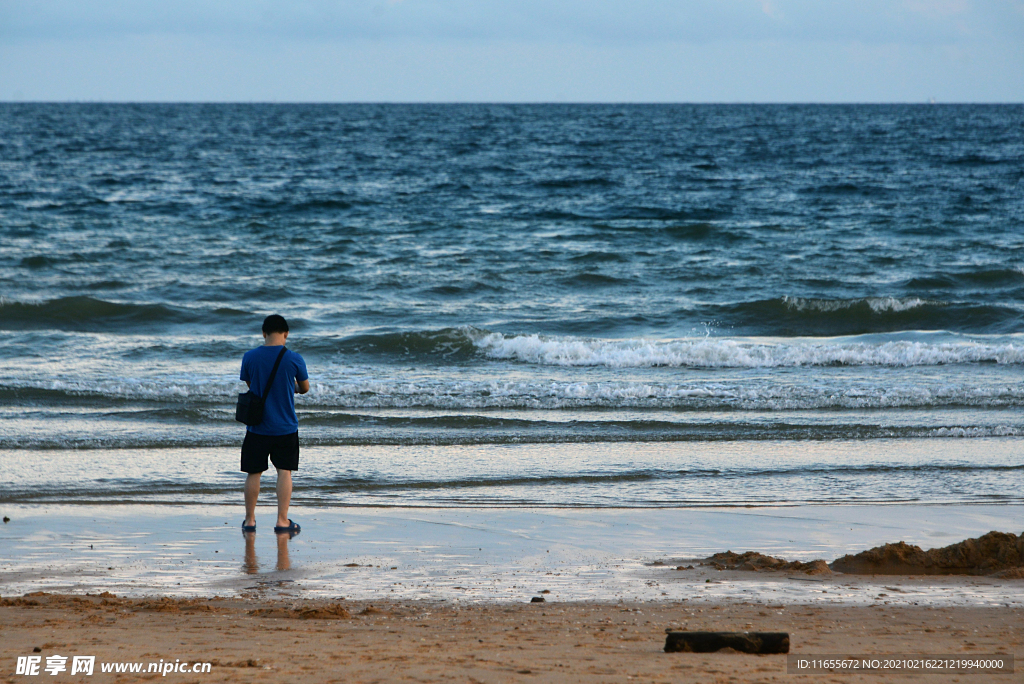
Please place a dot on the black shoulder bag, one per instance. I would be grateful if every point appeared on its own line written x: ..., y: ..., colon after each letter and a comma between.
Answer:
x: 249, y: 409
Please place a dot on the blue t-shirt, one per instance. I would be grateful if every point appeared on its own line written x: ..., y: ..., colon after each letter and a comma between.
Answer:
x: 279, y: 405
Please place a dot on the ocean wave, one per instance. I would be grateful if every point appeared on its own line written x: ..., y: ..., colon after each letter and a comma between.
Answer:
x: 469, y: 346
x: 340, y: 391
x: 701, y: 231
x: 470, y: 343
x: 994, y: 277
x: 446, y: 343
x: 802, y: 316
x: 711, y: 352
x: 573, y: 183
x: 188, y: 425
x: 663, y: 486
x: 592, y: 280
x: 82, y: 313
x: 627, y: 212
x: 876, y: 304
x: 977, y: 160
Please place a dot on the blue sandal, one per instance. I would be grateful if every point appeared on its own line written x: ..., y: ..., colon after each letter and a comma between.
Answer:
x: 291, y: 529
x: 248, y: 528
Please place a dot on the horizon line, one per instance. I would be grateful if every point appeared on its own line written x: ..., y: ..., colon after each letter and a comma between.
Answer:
x: 516, y: 102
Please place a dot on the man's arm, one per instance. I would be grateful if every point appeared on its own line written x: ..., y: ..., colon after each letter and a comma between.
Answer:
x: 301, y: 386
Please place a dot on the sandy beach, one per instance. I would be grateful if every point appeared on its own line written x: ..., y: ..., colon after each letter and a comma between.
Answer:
x: 370, y: 595
x: 356, y: 641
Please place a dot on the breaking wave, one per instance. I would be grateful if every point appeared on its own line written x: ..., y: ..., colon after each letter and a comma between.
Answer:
x: 802, y: 316
x: 200, y: 394
x: 711, y: 352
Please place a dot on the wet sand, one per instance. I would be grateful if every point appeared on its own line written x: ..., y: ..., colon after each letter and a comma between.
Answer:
x: 476, y: 554
x: 259, y: 640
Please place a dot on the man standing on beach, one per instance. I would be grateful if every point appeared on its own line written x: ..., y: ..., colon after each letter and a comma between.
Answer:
x: 277, y: 435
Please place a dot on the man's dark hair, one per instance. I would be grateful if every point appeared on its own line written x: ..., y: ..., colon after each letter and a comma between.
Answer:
x: 275, y: 324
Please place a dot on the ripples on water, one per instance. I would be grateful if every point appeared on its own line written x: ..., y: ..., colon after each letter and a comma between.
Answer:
x: 490, y: 275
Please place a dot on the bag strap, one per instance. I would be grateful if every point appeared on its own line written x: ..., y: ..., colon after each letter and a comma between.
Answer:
x: 273, y: 373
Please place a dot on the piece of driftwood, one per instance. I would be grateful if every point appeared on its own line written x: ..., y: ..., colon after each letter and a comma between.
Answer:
x: 708, y: 642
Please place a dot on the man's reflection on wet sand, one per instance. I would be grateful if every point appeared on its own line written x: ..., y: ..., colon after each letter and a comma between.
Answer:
x: 283, y: 562
x: 251, y: 564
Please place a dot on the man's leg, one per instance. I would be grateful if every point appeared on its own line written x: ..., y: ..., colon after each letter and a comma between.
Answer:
x: 252, y: 492
x: 284, y: 496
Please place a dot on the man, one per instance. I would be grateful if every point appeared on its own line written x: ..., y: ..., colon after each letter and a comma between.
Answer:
x: 277, y: 435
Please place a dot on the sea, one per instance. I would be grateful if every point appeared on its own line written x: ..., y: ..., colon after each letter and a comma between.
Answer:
x: 537, y: 306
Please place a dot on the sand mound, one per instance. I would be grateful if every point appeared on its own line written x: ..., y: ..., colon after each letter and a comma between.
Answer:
x: 758, y: 562
x: 985, y: 555
x: 332, y: 611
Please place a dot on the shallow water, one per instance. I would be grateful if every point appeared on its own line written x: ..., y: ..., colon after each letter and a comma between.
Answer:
x: 600, y: 475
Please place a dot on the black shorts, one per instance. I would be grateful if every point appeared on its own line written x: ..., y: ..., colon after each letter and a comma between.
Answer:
x: 282, y: 449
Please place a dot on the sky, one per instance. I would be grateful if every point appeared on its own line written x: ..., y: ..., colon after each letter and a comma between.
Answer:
x: 512, y: 50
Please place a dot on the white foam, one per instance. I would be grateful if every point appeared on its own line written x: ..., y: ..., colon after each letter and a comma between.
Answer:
x: 340, y: 388
x: 876, y: 304
x: 651, y: 395
x: 710, y: 352
x: 974, y: 432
